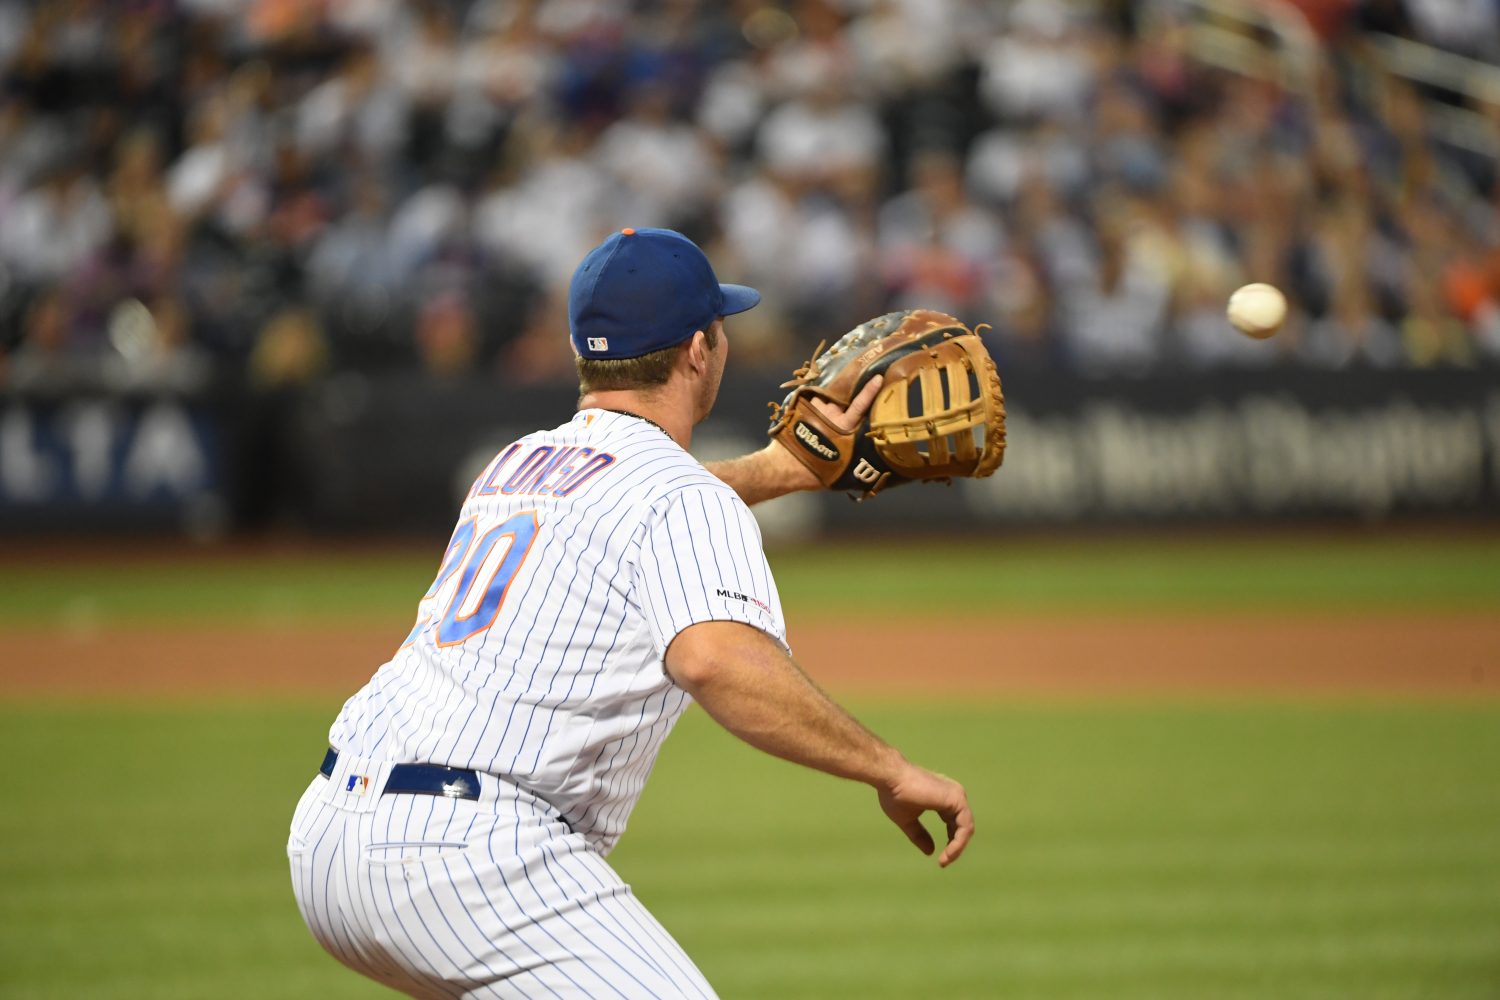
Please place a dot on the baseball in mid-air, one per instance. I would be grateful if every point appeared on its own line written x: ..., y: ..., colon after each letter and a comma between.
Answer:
x: 1257, y: 310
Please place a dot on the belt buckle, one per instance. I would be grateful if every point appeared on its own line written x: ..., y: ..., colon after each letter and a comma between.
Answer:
x: 458, y: 788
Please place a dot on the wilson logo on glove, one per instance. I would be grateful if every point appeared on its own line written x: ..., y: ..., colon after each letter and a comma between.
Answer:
x: 809, y: 439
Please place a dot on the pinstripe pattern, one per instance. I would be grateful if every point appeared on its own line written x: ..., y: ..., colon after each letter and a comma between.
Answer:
x: 565, y: 693
x: 451, y: 898
x: 561, y: 701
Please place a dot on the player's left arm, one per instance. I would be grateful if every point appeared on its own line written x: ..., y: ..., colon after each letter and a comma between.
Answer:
x: 773, y: 471
x: 707, y: 594
x: 749, y: 684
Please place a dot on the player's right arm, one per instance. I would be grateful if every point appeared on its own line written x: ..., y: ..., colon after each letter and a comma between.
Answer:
x: 749, y: 684
x: 773, y: 471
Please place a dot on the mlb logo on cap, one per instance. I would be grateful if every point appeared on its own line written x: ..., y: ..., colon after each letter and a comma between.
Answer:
x: 642, y: 290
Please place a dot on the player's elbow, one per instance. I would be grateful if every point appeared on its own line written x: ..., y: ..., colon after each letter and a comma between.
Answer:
x: 706, y: 651
x: 691, y: 675
x: 693, y: 668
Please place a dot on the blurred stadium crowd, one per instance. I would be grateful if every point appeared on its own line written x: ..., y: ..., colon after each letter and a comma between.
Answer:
x: 289, y: 187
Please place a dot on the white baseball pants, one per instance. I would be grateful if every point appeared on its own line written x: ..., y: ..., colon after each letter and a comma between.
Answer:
x: 439, y: 897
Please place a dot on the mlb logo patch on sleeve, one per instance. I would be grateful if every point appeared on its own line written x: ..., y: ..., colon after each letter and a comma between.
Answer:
x: 598, y: 343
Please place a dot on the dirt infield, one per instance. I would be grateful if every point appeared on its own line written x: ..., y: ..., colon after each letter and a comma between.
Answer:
x: 1434, y: 655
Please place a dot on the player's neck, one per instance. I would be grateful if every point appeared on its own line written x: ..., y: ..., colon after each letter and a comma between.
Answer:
x: 668, y: 414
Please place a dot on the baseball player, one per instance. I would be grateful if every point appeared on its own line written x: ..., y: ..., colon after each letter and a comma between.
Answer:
x: 599, y: 579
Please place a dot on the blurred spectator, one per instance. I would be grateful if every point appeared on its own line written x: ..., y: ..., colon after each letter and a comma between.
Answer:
x: 289, y: 351
x: 1003, y: 159
x: 823, y: 138
x: 1039, y: 67
x: 937, y: 247
x: 803, y: 245
x: 734, y: 101
x: 48, y: 351
x: 446, y: 341
x: 354, y: 113
x: 1024, y: 335
x: 814, y: 52
x: 421, y: 61
x: 429, y: 219
x: 202, y: 173
x: 1114, y: 302
x: 29, y: 142
x: 352, y: 271
x: 1431, y: 334
x: 504, y: 65
x: 1351, y: 332
x: 905, y: 46
x: 55, y: 227
x: 663, y: 167
x: 549, y: 207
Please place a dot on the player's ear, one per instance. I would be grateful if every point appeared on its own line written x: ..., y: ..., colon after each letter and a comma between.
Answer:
x: 697, y: 352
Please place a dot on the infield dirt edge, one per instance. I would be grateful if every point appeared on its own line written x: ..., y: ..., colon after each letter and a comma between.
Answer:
x: 1414, y: 654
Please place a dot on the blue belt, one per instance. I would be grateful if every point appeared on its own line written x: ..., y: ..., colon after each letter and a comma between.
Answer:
x: 419, y: 779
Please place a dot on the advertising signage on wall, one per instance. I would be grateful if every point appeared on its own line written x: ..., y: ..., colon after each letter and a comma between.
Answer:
x: 102, y: 462
x: 397, y: 453
x: 1361, y: 445
x: 1262, y: 452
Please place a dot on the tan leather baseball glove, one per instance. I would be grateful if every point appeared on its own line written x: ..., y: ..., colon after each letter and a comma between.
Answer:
x: 939, y: 414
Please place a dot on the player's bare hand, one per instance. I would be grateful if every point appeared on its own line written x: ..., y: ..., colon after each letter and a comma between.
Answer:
x: 846, y: 419
x: 917, y: 790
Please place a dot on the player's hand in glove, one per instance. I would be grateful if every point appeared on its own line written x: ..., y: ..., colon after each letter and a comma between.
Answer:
x: 846, y: 421
x: 916, y: 791
x: 774, y: 471
x: 938, y: 411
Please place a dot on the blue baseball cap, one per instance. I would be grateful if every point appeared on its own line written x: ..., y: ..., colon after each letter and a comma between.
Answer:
x: 645, y: 289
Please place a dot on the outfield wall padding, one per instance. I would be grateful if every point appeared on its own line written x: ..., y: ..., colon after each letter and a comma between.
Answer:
x: 395, y: 453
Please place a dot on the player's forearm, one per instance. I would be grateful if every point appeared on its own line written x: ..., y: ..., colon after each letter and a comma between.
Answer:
x: 753, y: 689
x: 764, y: 475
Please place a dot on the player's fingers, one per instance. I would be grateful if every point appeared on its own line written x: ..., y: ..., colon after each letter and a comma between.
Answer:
x: 848, y: 419
x: 834, y: 414
x: 960, y: 832
x: 862, y: 403
x: 917, y: 834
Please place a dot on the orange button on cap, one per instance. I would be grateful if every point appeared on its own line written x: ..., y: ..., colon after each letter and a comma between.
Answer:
x: 627, y: 232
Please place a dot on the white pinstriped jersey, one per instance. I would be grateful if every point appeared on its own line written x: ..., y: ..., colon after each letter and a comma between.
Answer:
x: 580, y: 553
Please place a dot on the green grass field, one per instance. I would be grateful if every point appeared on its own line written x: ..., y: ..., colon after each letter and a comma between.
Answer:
x: 1126, y: 849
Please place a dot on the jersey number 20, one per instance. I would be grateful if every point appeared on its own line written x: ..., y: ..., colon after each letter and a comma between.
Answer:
x: 485, y: 569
